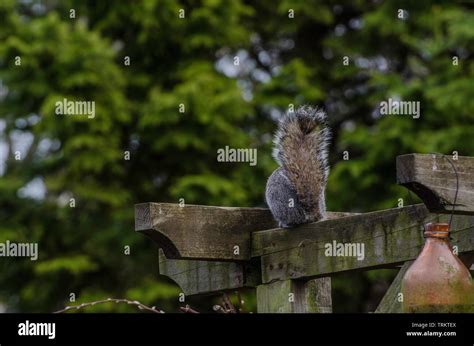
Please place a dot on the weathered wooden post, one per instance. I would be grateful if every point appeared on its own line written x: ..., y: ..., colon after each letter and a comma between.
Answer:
x: 295, y: 296
x: 208, y: 250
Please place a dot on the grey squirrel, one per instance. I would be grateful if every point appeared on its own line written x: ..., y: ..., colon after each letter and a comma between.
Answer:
x: 295, y: 191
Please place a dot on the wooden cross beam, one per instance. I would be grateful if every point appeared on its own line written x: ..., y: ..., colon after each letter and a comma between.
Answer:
x: 206, y: 277
x: 204, y: 232
x: 389, y: 238
x: 433, y: 178
x: 205, y: 271
x: 201, y: 232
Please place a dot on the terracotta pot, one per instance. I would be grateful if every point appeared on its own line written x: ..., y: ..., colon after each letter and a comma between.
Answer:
x: 437, y: 281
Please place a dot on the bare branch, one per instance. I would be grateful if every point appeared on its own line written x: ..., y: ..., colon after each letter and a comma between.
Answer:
x: 228, y: 304
x: 188, y: 309
x: 112, y: 300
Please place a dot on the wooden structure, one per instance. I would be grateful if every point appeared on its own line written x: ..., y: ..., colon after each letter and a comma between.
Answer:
x: 207, y: 250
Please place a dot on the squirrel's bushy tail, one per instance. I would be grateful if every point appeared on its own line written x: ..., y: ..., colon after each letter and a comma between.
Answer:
x: 300, y: 147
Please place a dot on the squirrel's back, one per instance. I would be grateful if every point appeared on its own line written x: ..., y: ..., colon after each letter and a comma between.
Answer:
x: 295, y: 192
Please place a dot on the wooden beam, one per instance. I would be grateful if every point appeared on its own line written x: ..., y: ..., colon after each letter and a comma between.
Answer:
x: 295, y: 296
x: 433, y: 179
x: 204, y: 232
x: 201, y: 232
x: 206, y: 277
x: 391, y: 302
x: 389, y: 237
